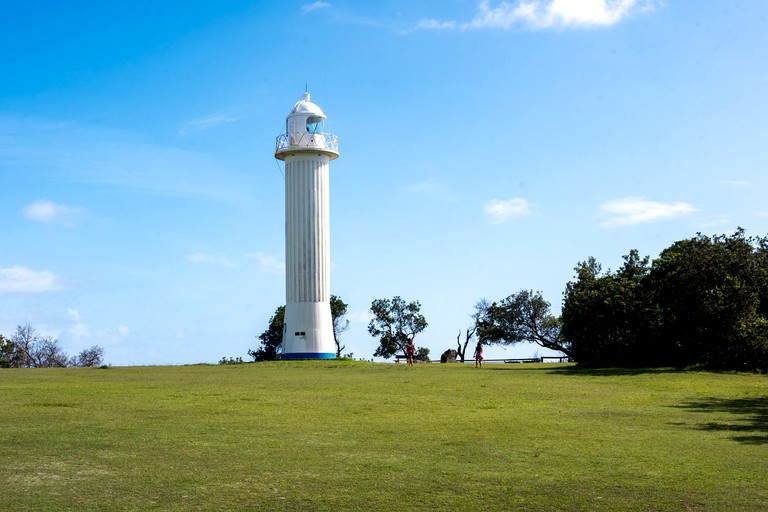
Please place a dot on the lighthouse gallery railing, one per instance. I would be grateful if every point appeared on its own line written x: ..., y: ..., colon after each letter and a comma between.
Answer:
x: 324, y: 141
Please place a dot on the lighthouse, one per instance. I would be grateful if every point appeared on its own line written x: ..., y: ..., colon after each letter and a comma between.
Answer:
x: 307, y: 149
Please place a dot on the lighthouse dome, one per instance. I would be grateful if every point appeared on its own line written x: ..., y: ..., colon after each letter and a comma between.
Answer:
x: 306, y: 107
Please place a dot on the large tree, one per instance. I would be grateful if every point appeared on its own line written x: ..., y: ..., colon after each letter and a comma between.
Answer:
x: 712, y: 294
x: 608, y: 318
x: 704, y: 300
x: 395, y: 321
x: 522, y: 317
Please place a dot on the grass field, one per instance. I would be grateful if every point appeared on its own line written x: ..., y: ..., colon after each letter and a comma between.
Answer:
x: 363, y: 436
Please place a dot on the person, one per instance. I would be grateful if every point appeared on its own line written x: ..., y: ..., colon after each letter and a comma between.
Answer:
x: 410, y: 351
x: 479, y: 355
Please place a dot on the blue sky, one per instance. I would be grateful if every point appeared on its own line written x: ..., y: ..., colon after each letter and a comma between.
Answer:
x: 486, y: 147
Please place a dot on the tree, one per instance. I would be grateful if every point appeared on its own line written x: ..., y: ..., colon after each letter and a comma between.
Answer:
x: 271, y: 339
x: 29, y: 349
x: 340, y: 322
x: 89, y: 357
x: 609, y: 318
x: 712, y: 294
x: 35, y: 351
x: 703, y: 301
x: 422, y: 355
x: 522, y: 317
x: 7, y: 352
x: 480, y: 309
x: 394, y: 322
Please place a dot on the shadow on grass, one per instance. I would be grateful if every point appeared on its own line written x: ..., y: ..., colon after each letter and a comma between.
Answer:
x: 750, y: 417
x: 585, y: 371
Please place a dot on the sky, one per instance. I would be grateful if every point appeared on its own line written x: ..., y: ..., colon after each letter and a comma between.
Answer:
x: 486, y: 147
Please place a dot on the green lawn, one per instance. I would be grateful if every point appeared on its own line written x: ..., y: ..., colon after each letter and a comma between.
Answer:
x: 363, y: 436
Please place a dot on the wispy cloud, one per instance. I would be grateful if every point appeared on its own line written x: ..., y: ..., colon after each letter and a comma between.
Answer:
x: 543, y: 14
x: 78, y: 328
x: 206, y: 122
x: 201, y: 258
x: 52, y: 213
x: 18, y: 279
x: 734, y: 183
x: 360, y: 316
x: 636, y: 210
x: 268, y: 263
x: 307, y: 8
x: 429, y: 187
x: 502, y: 210
x: 93, y: 154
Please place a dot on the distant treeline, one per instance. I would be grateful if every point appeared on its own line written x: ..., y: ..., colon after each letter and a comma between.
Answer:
x: 29, y: 349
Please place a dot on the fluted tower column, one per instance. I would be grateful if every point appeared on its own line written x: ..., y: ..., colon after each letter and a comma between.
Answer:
x: 307, y: 151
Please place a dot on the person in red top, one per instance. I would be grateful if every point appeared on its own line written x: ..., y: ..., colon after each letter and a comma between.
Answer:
x: 410, y: 351
x: 479, y: 355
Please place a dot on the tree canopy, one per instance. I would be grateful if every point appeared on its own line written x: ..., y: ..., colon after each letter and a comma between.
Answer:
x: 521, y: 317
x: 271, y: 339
x: 704, y: 300
x: 394, y: 322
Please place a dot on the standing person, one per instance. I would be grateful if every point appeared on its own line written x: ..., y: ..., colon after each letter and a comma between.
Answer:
x: 479, y: 355
x: 410, y: 351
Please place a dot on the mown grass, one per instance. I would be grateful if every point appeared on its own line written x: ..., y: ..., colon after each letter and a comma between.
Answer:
x: 360, y: 436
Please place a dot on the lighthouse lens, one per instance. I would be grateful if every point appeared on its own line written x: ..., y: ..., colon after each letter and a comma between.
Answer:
x: 315, y: 124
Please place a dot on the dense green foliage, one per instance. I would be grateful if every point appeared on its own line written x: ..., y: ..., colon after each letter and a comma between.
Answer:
x: 271, y: 339
x: 394, y: 322
x: 703, y: 301
x: 337, y: 435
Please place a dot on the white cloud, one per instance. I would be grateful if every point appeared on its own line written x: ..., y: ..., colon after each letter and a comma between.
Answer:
x: 543, y: 14
x: 307, y: 8
x: 202, y: 258
x: 123, y: 330
x: 636, y: 210
x: 503, y: 210
x: 19, y: 279
x: 269, y: 264
x: 78, y: 328
x: 52, y: 213
x: 361, y: 316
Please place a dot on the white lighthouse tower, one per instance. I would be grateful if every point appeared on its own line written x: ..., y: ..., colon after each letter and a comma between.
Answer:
x: 306, y: 150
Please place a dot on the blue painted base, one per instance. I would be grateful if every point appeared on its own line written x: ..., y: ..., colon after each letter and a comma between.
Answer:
x: 309, y: 355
